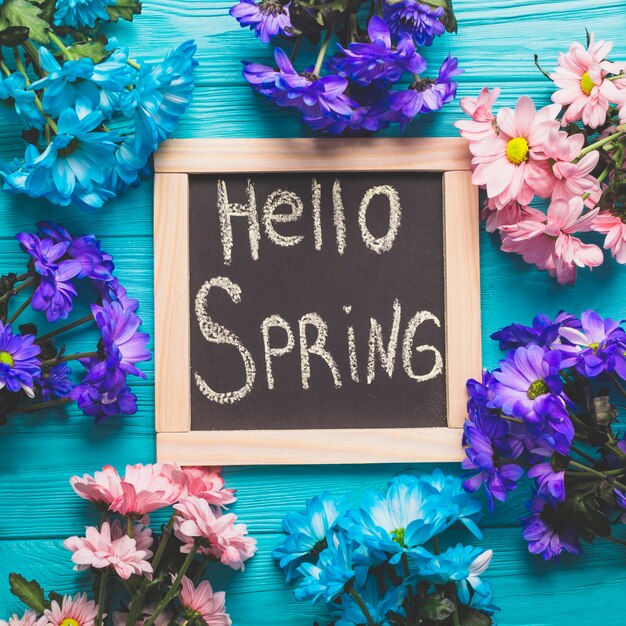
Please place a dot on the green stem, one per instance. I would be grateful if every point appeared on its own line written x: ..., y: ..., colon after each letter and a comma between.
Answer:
x: 129, y: 527
x: 33, y: 408
x: 60, y: 45
x: 578, y: 421
x: 584, y: 455
x: 167, y: 533
x: 296, y: 49
x: 58, y: 331
x: 16, y: 290
x: 20, y: 310
x: 173, y: 590
x: 621, y: 542
x: 511, y: 419
x: 322, y: 53
x: 617, y: 383
x: 33, y: 53
x: 20, y: 65
x: 133, y: 63
x: 617, y: 77
x: 71, y: 357
x: 600, y: 143
x: 455, y: 615
x: 359, y: 600
x: 101, y: 593
x: 605, y: 173
x: 593, y: 472
x: 436, y: 544
x: 5, y: 69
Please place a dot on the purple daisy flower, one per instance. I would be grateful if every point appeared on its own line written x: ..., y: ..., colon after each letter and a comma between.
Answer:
x: 100, y: 400
x: 547, y: 532
x: 19, y: 365
x: 56, y: 383
x: 550, y: 478
x: 590, y: 348
x: 415, y: 19
x: 544, y: 331
x: 267, y: 19
x: 486, y: 439
x: 55, y: 292
x: 426, y: 95
x: 378, y: 60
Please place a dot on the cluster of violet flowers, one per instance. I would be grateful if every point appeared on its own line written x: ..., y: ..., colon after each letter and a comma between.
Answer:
x: 35, y: 368
x: 374, y: 79
x: 546, y: 411
x: 388, y: 561
x: 570, y: 153
x: 90, y: 115
x: 153, y: 578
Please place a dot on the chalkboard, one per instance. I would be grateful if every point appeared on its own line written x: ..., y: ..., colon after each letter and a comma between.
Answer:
x: 314, y: 302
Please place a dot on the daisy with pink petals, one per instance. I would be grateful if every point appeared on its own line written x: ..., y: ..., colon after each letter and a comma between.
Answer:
x: 73, y: 611
x: 215, y: 532
x: 208, y: 484
x: 511, y: 213
x: 583, y: 88
x: 512, y: 164
x: 28, y: 619
x: 108, y: 547
x: 202, y: 602
x: 615, y: 230
x: 572, y: 179
x: 102, y: 488
x: 549, y: 242
x: 483, y: 122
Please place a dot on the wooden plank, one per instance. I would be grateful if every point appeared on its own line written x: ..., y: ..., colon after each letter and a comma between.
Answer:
x: 462, y: 278
x: 312, y: 155
x: 171, y: 299
x: 311, y: 447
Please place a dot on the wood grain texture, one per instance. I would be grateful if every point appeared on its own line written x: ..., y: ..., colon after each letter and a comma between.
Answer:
x: 462, y: 278
x: 171, y: 302
x: 495, y: 44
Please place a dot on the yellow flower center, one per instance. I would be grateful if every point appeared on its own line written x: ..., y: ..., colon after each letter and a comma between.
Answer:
x: 586, y: 84
x: 397, y: 535
x: 68, y: 621
x: 5, y: 357
x: 517, y: 150
x: 536, y: 389
x: 594, y: 347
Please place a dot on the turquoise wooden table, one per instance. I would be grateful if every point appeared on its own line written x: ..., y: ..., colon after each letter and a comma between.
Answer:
x: 39, y: 453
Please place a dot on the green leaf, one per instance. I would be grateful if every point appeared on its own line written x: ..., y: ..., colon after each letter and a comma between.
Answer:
x: 48, y: 7
x: 94, y: 49
x: 583, y: 513
x: 472, y: 617
x: 53, y: 595
x: 436, y: 607
x: 30, y: 593
x: 124, y: 9
x: 24, y: 13
x: 13, y: 36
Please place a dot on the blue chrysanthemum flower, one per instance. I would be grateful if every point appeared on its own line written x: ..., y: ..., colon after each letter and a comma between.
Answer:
x: 19, y: 365
x: 420, y: 21
x: 544, y: 331
x: 334, y: 570
x: 67, y: 86
x: 306, y: 532
x: 79, y: 13
x: 547, y: 531
x: 379, y: 605
x: 113, y: 76
x: 462, y: 565
x: 56, y: 382
x: 378, y: 61
x: 267, y: 19
x: 18, y: 104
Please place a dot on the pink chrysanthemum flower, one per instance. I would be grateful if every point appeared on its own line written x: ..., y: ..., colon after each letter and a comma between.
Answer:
x: 102, y: 488
x: 615, y: 231
x: 483, y: 122
x: 28, y: 619
x: 549, y: 243
x: 145, y: 488
x: 108, y: 547
x: 203, y: 602
x: 511, y: 213
x: 73, y: 611
x: 572, y: 179
x: 208, y: 484
x: 583, y: 89
x: 216, y: 533
x: 120, y: 618
x: 512, y: 165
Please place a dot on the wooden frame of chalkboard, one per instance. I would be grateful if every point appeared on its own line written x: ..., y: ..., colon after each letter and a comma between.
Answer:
x: 174, y: 163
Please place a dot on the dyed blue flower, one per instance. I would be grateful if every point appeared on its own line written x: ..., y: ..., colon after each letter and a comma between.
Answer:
x: 79, y: 13
x: 56, y: 382
x: 544, y: 331
x: 334, y: 570
x: 306, y: 532
x: 19, y: 365
x: 162, y: 95
x: 18, y: 104
x: 590, y: 346
x: 426, y: 95
x: 55, y: 292
x: 267, y: 19
x: 461, y: 565
x: 379, y: 61
x: 379, y: 605
x: 420, y: 21
x: 547, y: 530
x: 113, y: 76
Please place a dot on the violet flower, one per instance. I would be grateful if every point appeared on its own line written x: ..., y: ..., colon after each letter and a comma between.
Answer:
x: 420, y: 21
x: 267, y: 19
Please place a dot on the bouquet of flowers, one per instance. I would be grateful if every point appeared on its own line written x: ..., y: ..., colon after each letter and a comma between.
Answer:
x: 34, y: 365
x: 374, y: 79
x: 152, y: 578
x: 547, y: 412
x: 570, y: 153
x: 90, y: 115
x: 371, y: 564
